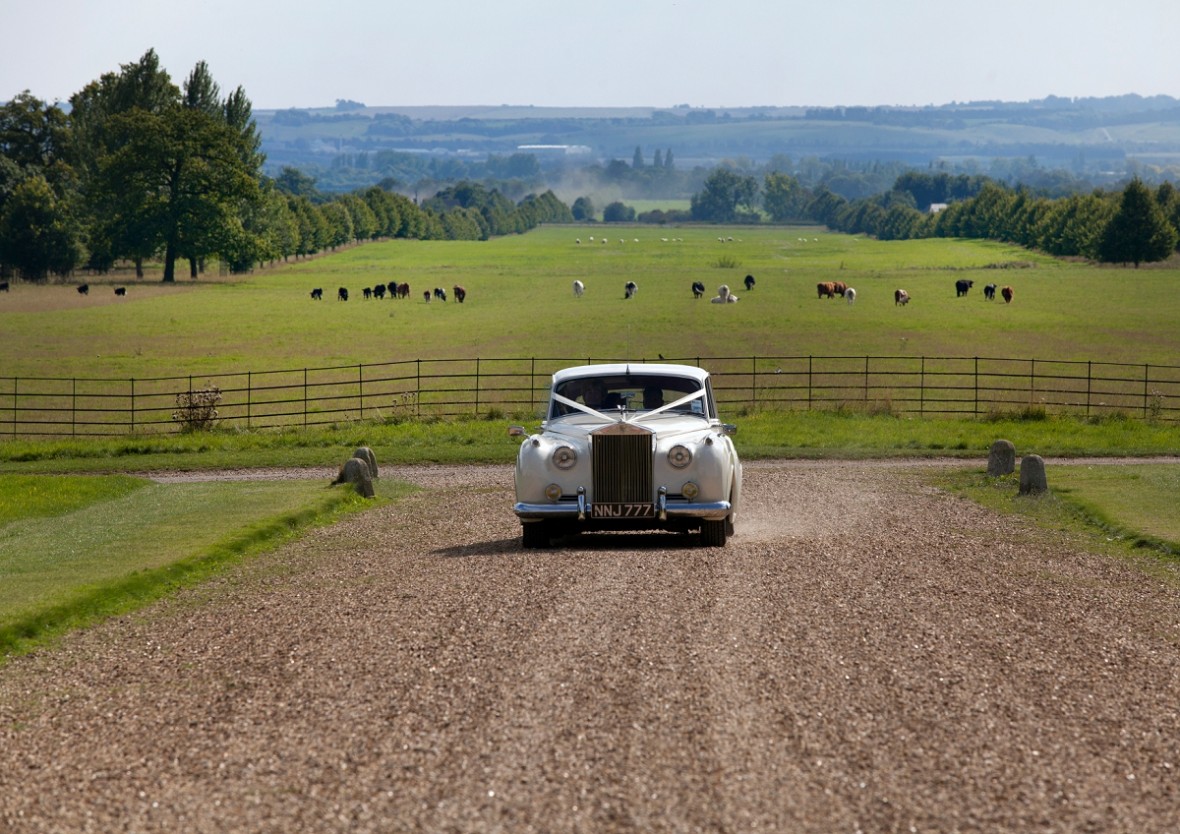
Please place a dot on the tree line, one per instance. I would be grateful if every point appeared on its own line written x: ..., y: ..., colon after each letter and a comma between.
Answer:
x: 139, y: 169
x: 1135, y: 224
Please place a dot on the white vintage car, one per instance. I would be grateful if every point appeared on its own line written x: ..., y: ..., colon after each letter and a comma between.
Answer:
x: 628, y: 447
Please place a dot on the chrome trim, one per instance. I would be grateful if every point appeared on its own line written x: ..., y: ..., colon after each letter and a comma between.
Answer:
x: 711, y: 511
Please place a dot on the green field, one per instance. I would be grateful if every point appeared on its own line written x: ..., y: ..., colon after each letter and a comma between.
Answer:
x: 520, y: 304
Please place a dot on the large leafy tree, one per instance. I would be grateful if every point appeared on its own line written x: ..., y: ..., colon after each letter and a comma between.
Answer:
x: 782, y: 196
x: 1139, y: 231
x: 172, y: 172
x: 723, y: 193
x: 37, y: 235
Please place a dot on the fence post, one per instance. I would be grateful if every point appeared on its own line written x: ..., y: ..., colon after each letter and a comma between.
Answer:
x: 249, y: 394
x: 1146, y: 375
x: 418, y: 388
x: 133, y: 405
x: 15, y: 402
x: 866, y: 397
x: 809, y: 382
x: 976, y: 386
x: 305, y: 398
x: 476, y: 387
x: 1089, y: 383
x: 753, y: 383
x: 360, y: 385
x: 532, y: 383
x: 74, y: 406
x: 922, y: 388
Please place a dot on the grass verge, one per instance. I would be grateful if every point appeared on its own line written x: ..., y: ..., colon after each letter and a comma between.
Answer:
x: 126, y: 549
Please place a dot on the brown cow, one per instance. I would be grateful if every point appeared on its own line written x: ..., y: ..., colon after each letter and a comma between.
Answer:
x: 826, y: 289
x: 460, y: 293
x: 1007, y: 292
x: 840, y: 288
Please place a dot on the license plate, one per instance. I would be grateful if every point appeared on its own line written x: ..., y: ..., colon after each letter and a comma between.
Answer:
x: 634, y: 510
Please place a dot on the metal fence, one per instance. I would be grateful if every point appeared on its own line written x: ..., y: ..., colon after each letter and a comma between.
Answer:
x: 414, y: 389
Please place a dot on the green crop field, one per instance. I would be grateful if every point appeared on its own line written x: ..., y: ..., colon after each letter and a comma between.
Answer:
x: 520, y: 304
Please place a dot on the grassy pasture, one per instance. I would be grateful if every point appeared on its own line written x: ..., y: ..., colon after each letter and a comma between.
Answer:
x: 520, y: 304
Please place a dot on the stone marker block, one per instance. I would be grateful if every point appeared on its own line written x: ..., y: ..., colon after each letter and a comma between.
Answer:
x: 366, y: 454
x: 356, y: 472
x: 1001, y: 460
x: 1032, y: 475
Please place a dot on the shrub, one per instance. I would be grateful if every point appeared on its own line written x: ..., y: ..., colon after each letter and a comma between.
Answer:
x: 197, y: 410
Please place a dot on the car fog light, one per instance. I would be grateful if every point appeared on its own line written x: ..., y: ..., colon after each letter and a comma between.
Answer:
x: 679, y: 456
x: 564, y: 457
x: 690, y: 490
x: 553, y: 492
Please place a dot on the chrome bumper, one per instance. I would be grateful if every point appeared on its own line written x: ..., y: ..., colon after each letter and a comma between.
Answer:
x: 710, y: 511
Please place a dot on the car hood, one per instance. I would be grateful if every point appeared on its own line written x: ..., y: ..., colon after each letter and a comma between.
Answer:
x: 578, y: 427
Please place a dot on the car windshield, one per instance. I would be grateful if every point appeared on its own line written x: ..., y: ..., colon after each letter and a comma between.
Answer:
x: 628, y: 393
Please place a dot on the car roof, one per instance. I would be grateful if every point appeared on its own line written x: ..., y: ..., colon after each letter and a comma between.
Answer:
x: 632, y: 368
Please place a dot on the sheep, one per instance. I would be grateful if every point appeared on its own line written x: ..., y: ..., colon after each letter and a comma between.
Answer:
x: 850, y: 295
x: 579, y: 288
x: 724, y: 296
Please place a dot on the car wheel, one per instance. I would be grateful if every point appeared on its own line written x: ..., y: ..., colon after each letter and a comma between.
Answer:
x: 535, y: 534
x: 713, y: 533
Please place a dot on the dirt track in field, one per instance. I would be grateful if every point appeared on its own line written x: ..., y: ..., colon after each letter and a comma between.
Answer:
x: 866, y: 655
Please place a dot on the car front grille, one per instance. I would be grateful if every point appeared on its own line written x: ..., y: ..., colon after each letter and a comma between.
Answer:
x: 622, y: 467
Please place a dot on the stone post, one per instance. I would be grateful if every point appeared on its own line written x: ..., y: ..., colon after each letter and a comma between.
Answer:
x: 1002, y: 458
x: 1032, y: 475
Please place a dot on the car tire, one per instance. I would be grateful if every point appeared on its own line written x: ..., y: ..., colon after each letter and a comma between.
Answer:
x: 535, y: 534
x: 713, y: 533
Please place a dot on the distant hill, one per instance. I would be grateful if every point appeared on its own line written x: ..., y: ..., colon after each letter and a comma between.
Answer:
x: 1084, y: 136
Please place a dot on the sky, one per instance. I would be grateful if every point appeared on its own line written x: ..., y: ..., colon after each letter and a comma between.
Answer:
x: 605, y: 53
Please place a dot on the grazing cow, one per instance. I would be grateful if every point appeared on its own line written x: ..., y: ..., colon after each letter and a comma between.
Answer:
x: 460, y: 293
x: 403, y: 290
x: 826, y: 289
x: 579, y: 287
x: 367, y: 292
x: 83, y: 289
x: 440, y: 293
x: 342, y: 294
x: 120, y: 291
x: 850, y: 295
x: 317, y: 294
x: 1007, y: 292
x: 989, y: 292
x: 724, y: 296
x: 962, y: 286
x: 749, y: 282
x: 379, y: 291
x: 426, y: 295
x: 629, y: 289
x: 839, y: 287
x: 698, y: 289
x: 901, y: 297
x: 3, y: 286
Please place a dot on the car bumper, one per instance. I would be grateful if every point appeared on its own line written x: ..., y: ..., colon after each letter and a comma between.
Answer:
x: 583, y: 510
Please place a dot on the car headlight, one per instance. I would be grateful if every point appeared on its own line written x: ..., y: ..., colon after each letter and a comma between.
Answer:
x: 679, y: 456
x: 564, y: 457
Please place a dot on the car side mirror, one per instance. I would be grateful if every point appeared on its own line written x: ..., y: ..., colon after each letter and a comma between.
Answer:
x: 516, y: 431
x: 729, y: 429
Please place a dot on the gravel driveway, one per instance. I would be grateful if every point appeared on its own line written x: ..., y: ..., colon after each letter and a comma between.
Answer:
x: 866, y: 655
